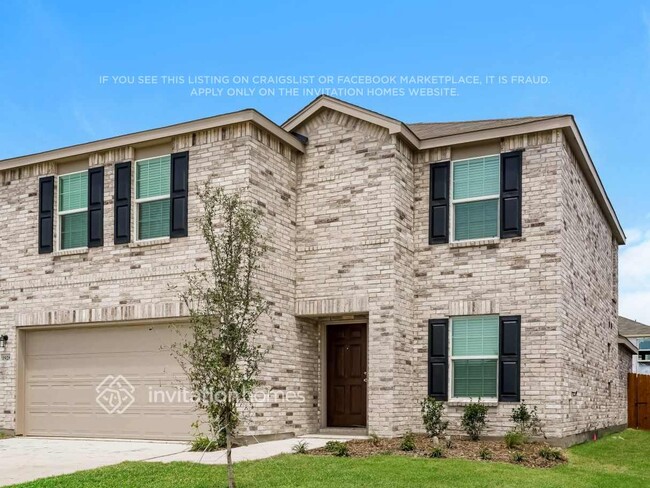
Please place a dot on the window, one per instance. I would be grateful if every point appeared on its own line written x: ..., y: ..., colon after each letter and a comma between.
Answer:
x: 644, y: 351
x: 152, y: 197
x: 73, y: 210
x: 475, y: 198
x: 474, y: 356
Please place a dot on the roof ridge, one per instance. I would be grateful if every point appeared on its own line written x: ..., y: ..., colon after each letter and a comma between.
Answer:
x: 552, y: 116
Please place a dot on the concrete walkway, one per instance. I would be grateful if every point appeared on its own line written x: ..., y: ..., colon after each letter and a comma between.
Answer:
x: 251, y: 452
x: 28, y: 458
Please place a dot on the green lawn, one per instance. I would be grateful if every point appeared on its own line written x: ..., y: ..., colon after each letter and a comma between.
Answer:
x: 618, y: 460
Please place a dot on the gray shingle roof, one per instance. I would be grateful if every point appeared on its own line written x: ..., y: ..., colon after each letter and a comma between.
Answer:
x: 428, y: 130
x: 632, y: 328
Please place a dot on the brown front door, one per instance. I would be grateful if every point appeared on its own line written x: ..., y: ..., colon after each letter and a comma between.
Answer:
x: 346, y: 375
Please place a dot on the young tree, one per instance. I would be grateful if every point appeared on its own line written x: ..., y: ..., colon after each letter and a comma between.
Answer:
x: 219, y: 353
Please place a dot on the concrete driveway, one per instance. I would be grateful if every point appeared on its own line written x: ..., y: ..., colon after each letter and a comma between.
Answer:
x: 25, y: 459
x: 29, y: 458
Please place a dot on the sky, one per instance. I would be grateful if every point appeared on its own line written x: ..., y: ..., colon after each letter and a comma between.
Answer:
x: 61, y: 63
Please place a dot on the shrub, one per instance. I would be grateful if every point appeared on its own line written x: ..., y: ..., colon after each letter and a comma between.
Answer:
x: 374, y: 439
x: 436, y: 452
x: 300, y: 448
x: 432, y: 417
x: 551, y: 454
x: 518, y: 457
x: 473, y: 420
x: 201, y: 443
x: 485, y: 454
x: 526, y: 420
x: 337, y: 448
x: 448, y: 442
x: 408, y: 442
x: 514, y: 439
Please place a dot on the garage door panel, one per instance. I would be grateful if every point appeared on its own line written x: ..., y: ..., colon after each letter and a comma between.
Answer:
x: 67, y: 369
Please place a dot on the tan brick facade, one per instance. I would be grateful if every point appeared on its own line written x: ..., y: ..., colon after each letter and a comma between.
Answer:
x: 349, y: 226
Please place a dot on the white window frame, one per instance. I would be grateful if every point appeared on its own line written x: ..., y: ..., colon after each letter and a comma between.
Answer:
x: 643, y: 361
x: 452, y: 210
x: 451, y: 363
x: 138, y: 201
x: 60, y: 213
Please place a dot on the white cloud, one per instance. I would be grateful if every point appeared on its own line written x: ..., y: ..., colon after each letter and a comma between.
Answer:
x: 634, y: 276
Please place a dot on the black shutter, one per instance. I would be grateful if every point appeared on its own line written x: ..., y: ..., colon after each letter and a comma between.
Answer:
x: 439, y: 203
x: 511, y: 194
x: 96, y: 207
x: 509, y: 358
x: 122, y: 203
x: 438, y: 358
x: 178, y: 196
x: 45, y: 214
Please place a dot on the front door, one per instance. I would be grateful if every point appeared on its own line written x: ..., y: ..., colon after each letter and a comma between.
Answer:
x: 346, y: 375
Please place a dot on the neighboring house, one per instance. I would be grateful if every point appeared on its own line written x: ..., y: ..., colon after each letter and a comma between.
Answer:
x: 639, y: 335
x: 460, y: 260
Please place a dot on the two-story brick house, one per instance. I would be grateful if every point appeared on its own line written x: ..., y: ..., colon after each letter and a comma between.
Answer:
x: 460, y: 260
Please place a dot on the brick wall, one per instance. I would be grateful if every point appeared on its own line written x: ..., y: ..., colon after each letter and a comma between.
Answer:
x: 518, y: 276
x: 135, y: 281
x: 589, y: 314
x: 348, y: 225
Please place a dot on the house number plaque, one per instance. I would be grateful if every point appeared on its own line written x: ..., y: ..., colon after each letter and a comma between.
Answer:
x: 5, y: 357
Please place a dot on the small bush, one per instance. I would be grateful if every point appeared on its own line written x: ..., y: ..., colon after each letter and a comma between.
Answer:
x: 448, y: 443
x: 374, y: 439
x: 408, y: 442
x: 518, y: 457
x: 437, y: 452
x: 551, y: 454
x: 485, y: 454
x: 337, y: 448
x: 300, y: 448
x: 514, y: 439
x: 432, y: 417
x: 201, y: 443
x: 473, y: 420
x: 526, y: 420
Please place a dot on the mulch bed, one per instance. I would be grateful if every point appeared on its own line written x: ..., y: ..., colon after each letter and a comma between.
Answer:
x: 460, y: 449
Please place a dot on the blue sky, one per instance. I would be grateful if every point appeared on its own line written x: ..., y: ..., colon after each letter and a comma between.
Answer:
x: 597, y: 61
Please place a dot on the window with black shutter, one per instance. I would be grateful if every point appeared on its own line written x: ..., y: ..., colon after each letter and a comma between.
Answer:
x: 439, y: 203
x: 438, y: 358
x: 509, y: 358
x: 122, y: 203
x: 179, y: 194
x: 46, y: 215
x: 511, y: 194
x: 96, y: 207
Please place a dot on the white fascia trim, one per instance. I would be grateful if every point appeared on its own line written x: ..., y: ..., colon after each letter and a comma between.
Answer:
x: 153, y: 135
x: 393, y: 126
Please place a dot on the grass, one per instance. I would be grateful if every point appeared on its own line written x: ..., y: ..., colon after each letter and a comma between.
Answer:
x: 620, y: 460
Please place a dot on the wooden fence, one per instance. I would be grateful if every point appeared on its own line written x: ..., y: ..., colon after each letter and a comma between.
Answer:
x: 638, y: 401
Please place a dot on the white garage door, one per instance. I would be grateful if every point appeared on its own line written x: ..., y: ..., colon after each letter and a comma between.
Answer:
x: 113, y: 382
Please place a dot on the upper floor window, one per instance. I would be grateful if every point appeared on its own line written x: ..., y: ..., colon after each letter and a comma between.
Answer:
x: 152, y: 197
x: 73, y: 210
x: 475, y: 198
x: 474, y: 356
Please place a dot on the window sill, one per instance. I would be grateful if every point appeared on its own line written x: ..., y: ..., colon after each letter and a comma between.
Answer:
x: 70, y: 252
x: 461, y: 402
x: 151, y: 242
x: 474, y: 243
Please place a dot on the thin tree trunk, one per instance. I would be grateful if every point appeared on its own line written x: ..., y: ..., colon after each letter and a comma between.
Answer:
x: 231, y: 472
